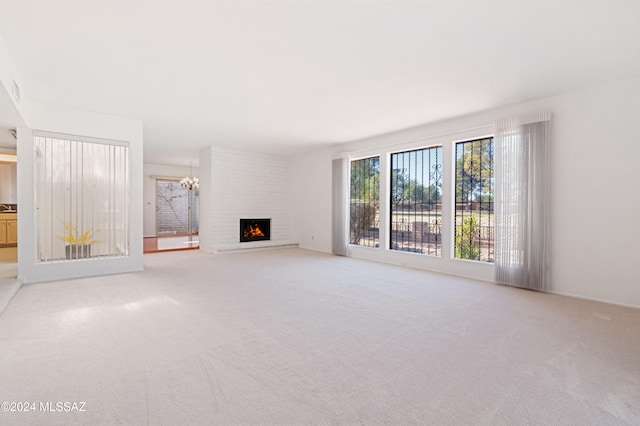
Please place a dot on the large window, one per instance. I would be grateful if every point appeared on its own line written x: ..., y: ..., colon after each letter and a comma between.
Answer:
x: 82, y: 198
x: 364, y: 223
x: 176, y: 208
x: 416, y: 201
x: 474, y: 222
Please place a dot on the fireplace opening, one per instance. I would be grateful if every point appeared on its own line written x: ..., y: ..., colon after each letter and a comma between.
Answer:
x: 255, y: 230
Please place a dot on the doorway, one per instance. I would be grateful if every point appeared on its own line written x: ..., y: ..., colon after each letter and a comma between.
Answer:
x: 8, y: 215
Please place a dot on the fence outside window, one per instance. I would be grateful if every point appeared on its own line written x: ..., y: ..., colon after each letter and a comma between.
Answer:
x: 416, y: 201
x: 364, y: 207
x: 474, y: 221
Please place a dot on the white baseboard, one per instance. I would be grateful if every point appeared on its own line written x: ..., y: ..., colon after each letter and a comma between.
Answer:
x: 594, y: 299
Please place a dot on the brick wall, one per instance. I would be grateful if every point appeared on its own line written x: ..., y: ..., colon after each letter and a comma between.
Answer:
x: 245, y: 185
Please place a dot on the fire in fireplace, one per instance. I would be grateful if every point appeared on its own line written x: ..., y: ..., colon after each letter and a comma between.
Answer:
x: 255, y: 230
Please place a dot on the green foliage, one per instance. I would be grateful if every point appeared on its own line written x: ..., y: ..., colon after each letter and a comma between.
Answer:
x: 403, y: 189
x: 474, y: 170
x: 420, y: 194
x: 467, y: 241
x: 398, y: 184
x: 365, y: 194
x: 363, y: 216
x: 365, y: 179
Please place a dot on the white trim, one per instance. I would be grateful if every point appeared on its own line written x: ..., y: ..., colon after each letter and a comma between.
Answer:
x: 446, y: 262
x: 362, y: 157
x: 400, y: 145
x: 79, y: 138
x: 28, y: 270
x: 169, y: 178
x: 593, y: 299
x: 474, y: 138
x: 417, y: 148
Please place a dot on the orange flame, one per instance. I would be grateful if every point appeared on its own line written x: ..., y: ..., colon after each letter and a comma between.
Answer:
x: 253, y: 231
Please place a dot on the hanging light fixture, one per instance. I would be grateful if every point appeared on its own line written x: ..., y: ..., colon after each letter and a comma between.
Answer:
x: 190, y: 182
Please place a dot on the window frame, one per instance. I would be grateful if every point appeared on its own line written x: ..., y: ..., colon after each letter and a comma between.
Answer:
x: 390, y: 212
x: 118, y: 241
x: 453, y: 230
x: 447, y: 263
x: 379, y: 201
x: 193, y: 208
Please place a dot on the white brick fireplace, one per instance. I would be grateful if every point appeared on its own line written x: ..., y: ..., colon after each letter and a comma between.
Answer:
x: 236, y: 185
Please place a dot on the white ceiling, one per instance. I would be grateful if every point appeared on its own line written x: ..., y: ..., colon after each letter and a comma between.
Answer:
x: 289, y: 76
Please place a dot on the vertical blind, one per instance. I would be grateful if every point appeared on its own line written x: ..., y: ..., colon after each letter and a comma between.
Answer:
x: 339, y: 175
x: 522, y: 200
x: 82, y: 198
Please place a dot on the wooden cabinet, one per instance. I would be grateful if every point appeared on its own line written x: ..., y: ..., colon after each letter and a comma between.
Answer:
x: 8, y: 229
x: 12, y: 232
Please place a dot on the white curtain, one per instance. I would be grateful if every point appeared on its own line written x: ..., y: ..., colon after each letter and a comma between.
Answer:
x: 522, y: 191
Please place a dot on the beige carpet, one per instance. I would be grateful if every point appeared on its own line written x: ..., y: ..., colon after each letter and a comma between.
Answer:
x: 296, y: 337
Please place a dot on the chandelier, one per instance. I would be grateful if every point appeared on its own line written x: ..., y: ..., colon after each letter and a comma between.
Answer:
x: 190, y: 182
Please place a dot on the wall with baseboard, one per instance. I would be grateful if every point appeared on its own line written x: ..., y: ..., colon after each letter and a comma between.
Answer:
x: 595, y: 240
x: 239, y: 184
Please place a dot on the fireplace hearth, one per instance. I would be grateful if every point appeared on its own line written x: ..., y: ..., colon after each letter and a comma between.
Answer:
x: 255, y: 230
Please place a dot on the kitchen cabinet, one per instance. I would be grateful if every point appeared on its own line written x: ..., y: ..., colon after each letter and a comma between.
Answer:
x: 8, y: 229
x: 12, y: 232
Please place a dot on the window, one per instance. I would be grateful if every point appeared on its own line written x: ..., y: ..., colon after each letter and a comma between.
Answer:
x: 176, y: 208
x: 474, y: 220
x: 416, y: 201
x: 364, y: 208
x: 82, y: 198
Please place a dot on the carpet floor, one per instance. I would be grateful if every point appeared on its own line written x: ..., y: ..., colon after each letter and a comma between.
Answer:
x: 296, y: 337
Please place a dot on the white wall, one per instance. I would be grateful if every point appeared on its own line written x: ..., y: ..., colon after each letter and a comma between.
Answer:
x: 82, y: 123
x: 205, y: 234
x: 243, y: 185
x: 7, y: 76
x: 8, y: 183
x: 11, y: 116
x: 149, y: 190
x: 595, y: 239
x: 311, y: 186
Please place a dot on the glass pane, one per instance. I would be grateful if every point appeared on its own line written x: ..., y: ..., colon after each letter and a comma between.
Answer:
x: 416, y: 201
x: 474, y: 223
x: 82, y: 199
x: 364, y: 223
x: 174, y: 205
